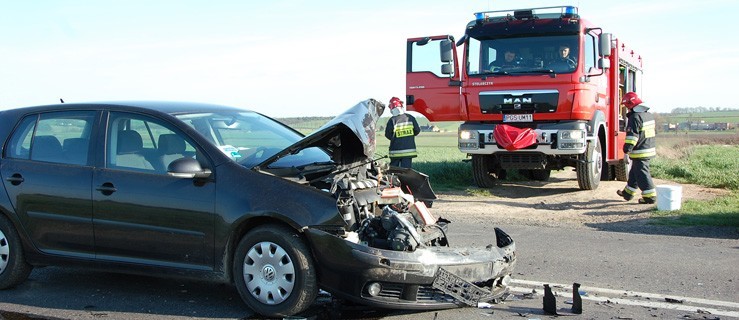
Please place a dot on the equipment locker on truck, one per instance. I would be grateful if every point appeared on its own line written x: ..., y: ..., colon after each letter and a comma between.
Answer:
x: 554, y: 103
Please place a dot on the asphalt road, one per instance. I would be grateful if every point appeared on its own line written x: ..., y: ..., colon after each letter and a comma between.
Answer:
x: 698, y: 276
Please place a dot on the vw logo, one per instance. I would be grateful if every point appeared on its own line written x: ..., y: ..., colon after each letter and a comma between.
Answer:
x: 268, y: 273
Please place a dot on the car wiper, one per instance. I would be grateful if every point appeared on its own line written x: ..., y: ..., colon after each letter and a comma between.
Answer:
x: 316, y: 164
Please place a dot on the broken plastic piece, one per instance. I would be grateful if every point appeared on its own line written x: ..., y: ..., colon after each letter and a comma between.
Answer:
x: 550, y: 302
x: 576, y: 299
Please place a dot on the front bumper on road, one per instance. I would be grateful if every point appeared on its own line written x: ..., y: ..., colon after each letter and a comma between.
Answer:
x: 427, y: 278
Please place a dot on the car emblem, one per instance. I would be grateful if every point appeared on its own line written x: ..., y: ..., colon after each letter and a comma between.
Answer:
x: 268, y: 273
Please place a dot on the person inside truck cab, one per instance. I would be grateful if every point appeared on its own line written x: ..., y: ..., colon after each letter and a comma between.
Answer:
x: 509, y: 61
x: 564, y: 61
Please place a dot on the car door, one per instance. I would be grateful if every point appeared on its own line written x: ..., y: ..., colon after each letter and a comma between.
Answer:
x: 141, y: 214
x: 47, y: 173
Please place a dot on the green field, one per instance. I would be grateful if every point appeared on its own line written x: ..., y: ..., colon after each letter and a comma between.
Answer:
x: 707, y: 158
x: 709, y: 117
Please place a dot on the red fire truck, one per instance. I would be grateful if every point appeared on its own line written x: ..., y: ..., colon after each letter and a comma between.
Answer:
x: 537, y: 90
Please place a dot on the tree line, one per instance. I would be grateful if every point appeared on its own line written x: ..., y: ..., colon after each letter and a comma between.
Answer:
x: 700, y: 109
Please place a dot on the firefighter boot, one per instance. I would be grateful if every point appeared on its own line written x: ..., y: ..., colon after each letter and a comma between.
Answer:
x: 624, y: 194
x: 646, y: 200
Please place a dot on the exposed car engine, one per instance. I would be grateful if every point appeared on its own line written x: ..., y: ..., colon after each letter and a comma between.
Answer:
x: 381, y: 214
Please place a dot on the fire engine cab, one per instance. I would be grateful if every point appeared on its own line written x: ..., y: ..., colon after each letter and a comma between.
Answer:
x: 537, y: 90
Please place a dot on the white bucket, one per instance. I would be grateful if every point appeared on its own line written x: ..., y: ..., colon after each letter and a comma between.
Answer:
x: 669, y: 197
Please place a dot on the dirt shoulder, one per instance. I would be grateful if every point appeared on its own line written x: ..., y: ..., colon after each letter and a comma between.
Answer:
x: 560, y: 203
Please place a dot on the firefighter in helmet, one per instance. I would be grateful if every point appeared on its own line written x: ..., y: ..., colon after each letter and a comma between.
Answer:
x: 401, y: 130
x: 640, y: 147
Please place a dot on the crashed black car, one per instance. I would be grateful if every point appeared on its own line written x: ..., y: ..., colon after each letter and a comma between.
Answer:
x: 206, y: 191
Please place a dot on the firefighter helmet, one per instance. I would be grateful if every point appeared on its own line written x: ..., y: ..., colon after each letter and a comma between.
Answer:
x: 395, y: 103
x: 631, y: 99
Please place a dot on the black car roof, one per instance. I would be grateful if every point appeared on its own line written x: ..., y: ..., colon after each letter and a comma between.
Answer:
x: 170, y: 107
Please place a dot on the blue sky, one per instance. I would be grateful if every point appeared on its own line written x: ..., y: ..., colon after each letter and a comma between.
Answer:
x: 317, y: 58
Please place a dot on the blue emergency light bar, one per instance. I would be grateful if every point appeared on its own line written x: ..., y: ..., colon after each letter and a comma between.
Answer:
x: 531, y: 13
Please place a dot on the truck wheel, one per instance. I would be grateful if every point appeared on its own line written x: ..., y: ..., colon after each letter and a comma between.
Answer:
x: 590, y: 166
x: 484, y: 171
x: 540, y: 174
x: 273, y: 272
x: 13, y: 266
x: 622, y: 169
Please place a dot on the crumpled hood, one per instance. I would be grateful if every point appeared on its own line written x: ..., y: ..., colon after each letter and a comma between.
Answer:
x: 349, y: 137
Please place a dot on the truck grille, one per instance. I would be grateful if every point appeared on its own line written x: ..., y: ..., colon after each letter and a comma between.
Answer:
x: 519, y: 101
x: 522, y: 160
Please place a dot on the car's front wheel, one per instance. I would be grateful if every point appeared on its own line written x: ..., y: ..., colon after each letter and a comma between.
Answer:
x: 13, y: 266
x: 273, y: 271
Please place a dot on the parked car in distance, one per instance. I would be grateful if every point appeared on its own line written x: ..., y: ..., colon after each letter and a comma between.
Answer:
x: 207, y: 191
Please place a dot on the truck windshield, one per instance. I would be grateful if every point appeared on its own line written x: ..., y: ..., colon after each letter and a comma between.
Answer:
x: 508, y: 56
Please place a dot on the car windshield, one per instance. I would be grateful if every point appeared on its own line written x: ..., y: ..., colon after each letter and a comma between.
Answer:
x: 534, y: 54
x: 249, y: 138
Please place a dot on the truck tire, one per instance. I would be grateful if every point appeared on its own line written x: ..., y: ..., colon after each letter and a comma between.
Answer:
x: 622, y: 169
x: 535, y: 174
x: 540, y: 174
x: 483, y: 171
x: 590, y: 166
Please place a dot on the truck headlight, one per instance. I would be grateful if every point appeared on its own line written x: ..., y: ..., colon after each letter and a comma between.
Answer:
x: 572, y: 134
x: 468, y: 135
x: 468, y: 139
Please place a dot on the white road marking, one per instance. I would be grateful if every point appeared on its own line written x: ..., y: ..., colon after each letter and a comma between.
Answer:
x: 618, y: 297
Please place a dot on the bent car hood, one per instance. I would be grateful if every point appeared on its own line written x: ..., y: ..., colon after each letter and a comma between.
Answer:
x: 349, y: 137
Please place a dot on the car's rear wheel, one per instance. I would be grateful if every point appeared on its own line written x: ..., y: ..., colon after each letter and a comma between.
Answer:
x: 13, y: 267
x: 273, y: 271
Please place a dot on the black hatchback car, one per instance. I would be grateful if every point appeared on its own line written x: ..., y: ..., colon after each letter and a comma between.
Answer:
x: 207, y: 191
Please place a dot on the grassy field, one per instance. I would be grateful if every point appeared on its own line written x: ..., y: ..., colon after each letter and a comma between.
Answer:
x: 710, y: 160
x: 706, y: 158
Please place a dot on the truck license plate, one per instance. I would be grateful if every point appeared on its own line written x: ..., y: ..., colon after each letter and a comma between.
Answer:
x: 518, y: 117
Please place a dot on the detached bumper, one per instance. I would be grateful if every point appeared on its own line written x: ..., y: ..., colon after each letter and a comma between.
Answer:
x: 428, y: 278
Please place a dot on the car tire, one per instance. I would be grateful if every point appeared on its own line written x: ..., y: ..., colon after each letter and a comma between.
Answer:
x: 13, y: 267
x: 590, y: 166
x: 273, y: 271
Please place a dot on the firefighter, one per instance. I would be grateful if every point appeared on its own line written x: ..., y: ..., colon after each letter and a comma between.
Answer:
x: 401, y: 130
x: 639, y: 146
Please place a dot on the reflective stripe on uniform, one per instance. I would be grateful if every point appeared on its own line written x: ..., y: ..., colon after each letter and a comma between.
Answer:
x: 648, y: 129
x: 631, y: 139
x: 651, y: 193
x: 402, y: 153
x: 630, y: 190
x: 644, y: 153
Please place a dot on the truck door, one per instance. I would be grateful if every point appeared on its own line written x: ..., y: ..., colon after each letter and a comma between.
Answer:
x: 432, y: 78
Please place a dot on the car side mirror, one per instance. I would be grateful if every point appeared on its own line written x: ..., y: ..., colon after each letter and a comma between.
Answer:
x: 187, y: 168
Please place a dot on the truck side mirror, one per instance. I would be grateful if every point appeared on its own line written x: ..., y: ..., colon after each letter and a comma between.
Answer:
x: 445, y: 49
x: 605, y: 45
x: 447, y: 68
x: 604, y: 63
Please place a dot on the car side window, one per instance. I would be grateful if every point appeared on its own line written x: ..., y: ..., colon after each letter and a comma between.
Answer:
x: 140, y: 143
x: 57, y: 137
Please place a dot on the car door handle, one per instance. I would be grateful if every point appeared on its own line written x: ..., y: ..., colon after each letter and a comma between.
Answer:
x: 106, y: 189
x: 15, y: 179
